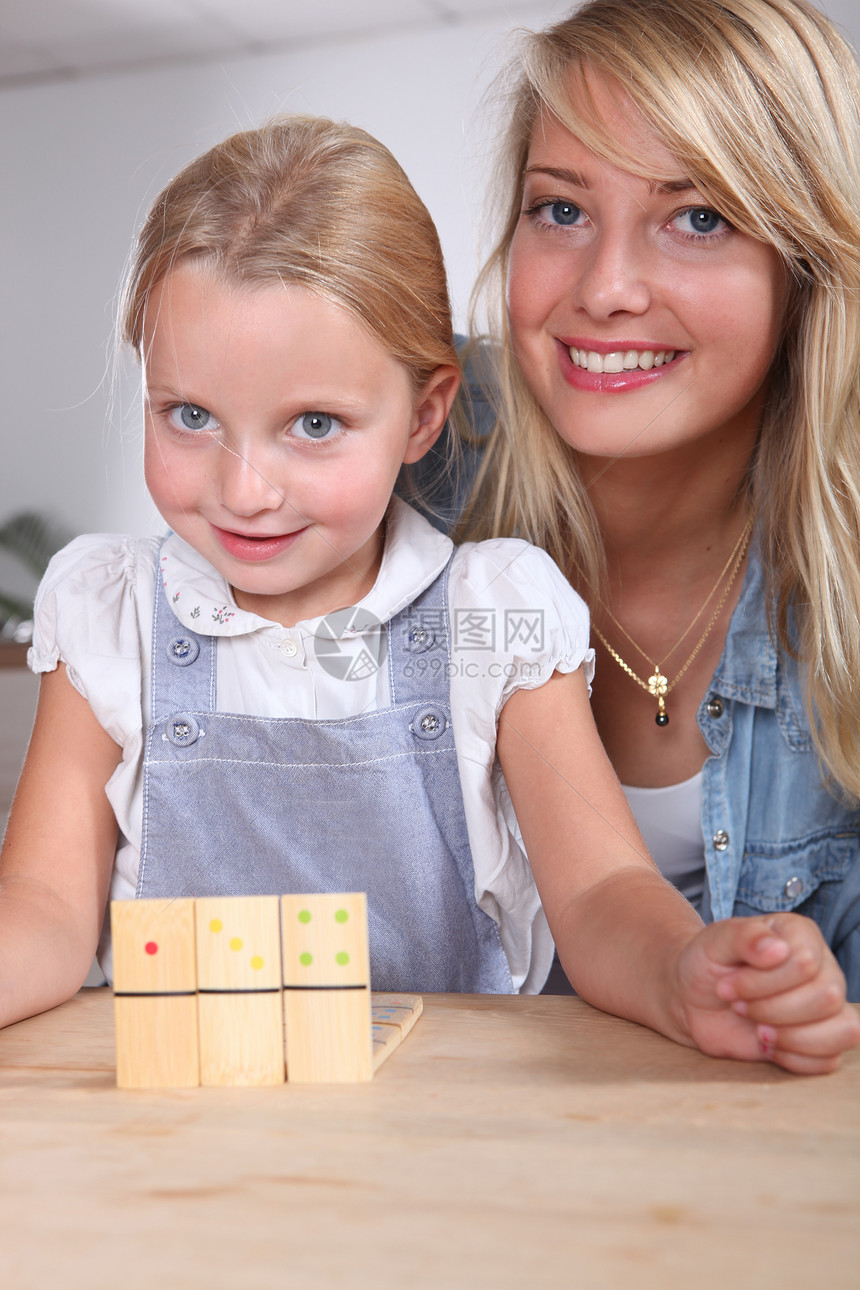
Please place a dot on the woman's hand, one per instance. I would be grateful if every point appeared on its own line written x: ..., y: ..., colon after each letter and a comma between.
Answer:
x: 767, y: 989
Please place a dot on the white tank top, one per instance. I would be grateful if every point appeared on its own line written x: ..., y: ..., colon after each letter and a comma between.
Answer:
x: 670, y: 821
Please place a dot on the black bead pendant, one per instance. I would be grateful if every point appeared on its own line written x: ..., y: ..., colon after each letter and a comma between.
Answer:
x: 662, y: 718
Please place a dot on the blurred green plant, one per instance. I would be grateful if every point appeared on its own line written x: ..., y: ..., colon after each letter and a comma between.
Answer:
x: 31, y: 539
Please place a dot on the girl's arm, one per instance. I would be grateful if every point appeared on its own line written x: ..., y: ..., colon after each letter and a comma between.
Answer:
x: 57, y: 856
x: 629, y: 942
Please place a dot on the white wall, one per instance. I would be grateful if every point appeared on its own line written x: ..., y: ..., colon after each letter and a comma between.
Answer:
x: 80, y: 162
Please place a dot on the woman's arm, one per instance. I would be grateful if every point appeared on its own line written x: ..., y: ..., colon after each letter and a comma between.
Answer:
x: 630, y: 944
x: 57, y: 856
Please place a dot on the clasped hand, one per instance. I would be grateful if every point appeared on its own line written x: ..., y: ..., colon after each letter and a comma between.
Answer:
x: 769, y: 989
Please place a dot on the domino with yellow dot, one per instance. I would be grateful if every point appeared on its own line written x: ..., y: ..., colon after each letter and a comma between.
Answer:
x: 240, y: 1009
x: 155, y: 993
x: 326, y: 978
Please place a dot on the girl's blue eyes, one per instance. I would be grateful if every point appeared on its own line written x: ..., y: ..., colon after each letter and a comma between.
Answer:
x: 192, y: 419
x: 315, y: 425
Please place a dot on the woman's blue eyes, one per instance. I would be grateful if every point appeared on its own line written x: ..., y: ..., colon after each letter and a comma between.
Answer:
x: 190, y: 417
x: 315, y: 425
x: 701, y: 220
x: 563, y: 214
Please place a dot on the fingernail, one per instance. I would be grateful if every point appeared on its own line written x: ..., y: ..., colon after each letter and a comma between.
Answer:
x: 766, y: 1039
x: 764, y: 943
x: 739, y: 1006
x: 726, y: 990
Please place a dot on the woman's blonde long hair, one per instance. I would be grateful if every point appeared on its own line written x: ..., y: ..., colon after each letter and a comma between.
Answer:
x: 758, y: 100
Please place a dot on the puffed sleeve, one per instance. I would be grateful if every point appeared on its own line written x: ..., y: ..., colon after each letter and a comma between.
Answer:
x: 86, y: 616
x: 515, y: 620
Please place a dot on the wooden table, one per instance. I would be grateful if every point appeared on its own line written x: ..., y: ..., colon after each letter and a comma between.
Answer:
x: 529, y: 1143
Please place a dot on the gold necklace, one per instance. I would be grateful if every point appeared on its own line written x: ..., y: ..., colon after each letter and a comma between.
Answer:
x: 658, y: 683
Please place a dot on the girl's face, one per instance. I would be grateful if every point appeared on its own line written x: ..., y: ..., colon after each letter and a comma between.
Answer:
x: 641, y: 320
x: 275, y: 428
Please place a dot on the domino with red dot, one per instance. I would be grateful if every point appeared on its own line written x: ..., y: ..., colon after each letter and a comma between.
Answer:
x: 155, y: 993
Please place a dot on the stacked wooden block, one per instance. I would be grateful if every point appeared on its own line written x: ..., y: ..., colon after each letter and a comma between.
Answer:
x: 248, y: 990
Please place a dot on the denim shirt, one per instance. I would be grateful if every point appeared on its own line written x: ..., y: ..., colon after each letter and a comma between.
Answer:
x: 776, y: 837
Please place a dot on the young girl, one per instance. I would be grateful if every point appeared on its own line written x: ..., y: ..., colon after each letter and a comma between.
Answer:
x: 212, y: 720
x: 677, y: 296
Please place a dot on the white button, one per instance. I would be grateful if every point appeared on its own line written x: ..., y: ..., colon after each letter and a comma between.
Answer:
x: 793, y: 888
x: 289, y: 648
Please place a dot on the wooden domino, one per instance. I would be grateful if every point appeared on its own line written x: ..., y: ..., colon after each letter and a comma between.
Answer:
x: 392, y: 1017
x: 326, y: 976
x: 240, y: 1009
x: 155, y: 1000
x: 204, y: 994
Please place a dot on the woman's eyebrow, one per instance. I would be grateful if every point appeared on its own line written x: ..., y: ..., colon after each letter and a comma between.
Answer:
x: 659, y: 188
x: 571, y: 177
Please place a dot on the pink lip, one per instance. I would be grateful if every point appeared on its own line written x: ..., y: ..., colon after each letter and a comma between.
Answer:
x: 611, y: 382
x: 244, y: 547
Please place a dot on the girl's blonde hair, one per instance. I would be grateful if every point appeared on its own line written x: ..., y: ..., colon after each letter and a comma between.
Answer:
x: 315, y: 203
x: 758, y: 100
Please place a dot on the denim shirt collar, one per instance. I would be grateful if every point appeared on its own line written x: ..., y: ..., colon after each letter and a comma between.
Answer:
x: 747, y: 670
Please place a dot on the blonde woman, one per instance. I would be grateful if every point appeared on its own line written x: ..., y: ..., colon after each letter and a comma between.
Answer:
x: 676, y: 294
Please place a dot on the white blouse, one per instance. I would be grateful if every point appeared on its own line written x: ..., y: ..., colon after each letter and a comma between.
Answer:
x: 514, y: 620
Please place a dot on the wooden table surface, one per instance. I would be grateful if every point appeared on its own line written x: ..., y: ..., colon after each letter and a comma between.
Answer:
x: 510, y: 1142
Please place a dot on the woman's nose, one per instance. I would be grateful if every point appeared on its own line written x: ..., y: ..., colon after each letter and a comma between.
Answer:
x: 612, y: 277
x: 246, y: 485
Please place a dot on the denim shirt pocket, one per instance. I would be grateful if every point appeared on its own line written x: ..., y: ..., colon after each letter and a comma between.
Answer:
x: 777, y: 877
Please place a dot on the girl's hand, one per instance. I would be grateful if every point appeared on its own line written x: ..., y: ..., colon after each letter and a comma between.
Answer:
x: 767, y: 989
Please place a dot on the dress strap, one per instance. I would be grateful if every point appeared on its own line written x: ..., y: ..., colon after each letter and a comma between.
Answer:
x: 183, y: 662
x: 419, y: 652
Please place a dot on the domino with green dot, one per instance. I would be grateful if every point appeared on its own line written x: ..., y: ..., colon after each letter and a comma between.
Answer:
x: 326, y: 979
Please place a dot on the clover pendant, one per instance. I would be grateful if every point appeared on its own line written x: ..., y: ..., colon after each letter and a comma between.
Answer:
x: 658, y: 684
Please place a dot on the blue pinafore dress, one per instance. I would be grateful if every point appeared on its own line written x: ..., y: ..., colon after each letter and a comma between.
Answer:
x: 242, y: 805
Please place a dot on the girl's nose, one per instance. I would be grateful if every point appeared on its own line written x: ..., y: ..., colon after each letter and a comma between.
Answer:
x: 246, y: 485
x: 612, y: 278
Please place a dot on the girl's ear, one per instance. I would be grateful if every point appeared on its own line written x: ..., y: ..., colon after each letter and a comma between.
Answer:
x: 431, y: 411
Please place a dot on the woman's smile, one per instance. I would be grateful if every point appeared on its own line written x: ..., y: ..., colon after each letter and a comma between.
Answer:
x: 614, y: 366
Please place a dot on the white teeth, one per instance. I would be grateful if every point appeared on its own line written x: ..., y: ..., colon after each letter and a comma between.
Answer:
x: 620, y: 360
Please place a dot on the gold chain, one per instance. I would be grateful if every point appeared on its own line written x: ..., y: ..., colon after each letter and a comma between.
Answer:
x: 658, y: 684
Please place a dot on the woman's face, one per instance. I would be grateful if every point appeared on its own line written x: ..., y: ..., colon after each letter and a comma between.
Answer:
x: 642, y: 321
